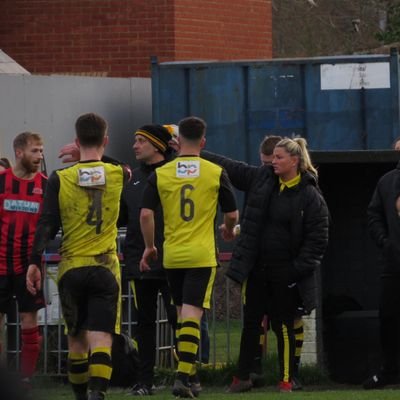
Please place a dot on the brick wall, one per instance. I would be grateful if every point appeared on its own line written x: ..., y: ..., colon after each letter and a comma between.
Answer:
x: 117, y: 37
x: 223, y: 29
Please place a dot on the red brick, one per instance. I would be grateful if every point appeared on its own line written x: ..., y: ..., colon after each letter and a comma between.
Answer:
x: 118, y: 36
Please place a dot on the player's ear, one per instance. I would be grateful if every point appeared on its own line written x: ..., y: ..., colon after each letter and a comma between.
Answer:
x: 18, y: 153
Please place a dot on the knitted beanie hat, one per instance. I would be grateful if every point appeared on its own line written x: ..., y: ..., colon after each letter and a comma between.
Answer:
x: 157, y: 135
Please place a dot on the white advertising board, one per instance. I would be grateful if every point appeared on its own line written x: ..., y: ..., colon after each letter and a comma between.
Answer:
x: 355, y: 76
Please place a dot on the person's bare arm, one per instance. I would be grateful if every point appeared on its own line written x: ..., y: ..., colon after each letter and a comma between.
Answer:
x: 227, y: 229
x: 147, y: 227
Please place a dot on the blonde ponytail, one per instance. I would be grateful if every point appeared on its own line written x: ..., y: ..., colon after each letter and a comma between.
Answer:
x: 298, y: 147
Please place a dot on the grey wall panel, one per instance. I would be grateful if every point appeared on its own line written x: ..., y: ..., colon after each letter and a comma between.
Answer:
x: 51, y: 104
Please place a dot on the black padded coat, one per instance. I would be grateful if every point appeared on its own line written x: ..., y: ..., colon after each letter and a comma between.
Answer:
x: 384, y: 219
x: 309, y: 224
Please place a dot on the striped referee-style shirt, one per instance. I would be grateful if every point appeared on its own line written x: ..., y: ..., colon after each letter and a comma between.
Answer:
x: 20, y: 206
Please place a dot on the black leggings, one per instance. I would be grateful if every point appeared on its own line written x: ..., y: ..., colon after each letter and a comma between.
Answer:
x: 280, y: 303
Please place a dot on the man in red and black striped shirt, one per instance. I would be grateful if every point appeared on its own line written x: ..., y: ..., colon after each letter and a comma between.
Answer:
x: 21, y: 195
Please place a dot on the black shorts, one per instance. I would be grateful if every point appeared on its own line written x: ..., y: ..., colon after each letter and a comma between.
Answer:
x: 15, y: 285
x: 192, y: 286
x: 90, y: 300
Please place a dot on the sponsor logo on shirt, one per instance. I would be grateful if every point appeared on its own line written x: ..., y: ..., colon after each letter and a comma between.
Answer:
x: 188, y: 169
x: 92, y: 176
x: 37, y: 190
x: 21, y: 205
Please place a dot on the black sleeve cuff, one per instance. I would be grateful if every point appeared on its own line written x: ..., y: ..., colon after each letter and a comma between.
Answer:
x: 36, y: 259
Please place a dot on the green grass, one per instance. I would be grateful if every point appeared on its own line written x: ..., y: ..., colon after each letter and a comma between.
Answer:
x: 63, y: 392
x: 227, y: 344
x: 215, y: 380
x: 227, y: 341
x: 309, y: 375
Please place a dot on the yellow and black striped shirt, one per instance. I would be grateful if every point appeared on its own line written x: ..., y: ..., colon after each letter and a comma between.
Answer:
x: 189, y: 189
x: 84, y: 201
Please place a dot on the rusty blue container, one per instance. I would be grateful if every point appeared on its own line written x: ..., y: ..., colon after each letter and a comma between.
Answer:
x: 344, y: 103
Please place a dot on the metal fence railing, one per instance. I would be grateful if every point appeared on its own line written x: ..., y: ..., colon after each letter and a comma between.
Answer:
x: 54, y: 345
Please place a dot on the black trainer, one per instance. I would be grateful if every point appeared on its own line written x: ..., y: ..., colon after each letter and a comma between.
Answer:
x: 96, y: 395
x: 81, y: 396
x: 141, y: 390
x: 379, y: 381
x: 296, y: 384
x: 258, y: 380
x: 181, y: 390
x: 196, y: 388
x: 195, y: 385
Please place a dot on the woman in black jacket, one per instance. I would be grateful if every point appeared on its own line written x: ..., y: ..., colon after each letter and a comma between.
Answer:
x: 284, y: 233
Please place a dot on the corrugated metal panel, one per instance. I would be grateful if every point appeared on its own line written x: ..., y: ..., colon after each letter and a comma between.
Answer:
x: 337, y: 103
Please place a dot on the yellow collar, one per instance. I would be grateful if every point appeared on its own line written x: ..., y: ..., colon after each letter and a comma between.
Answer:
x: 293, y: 182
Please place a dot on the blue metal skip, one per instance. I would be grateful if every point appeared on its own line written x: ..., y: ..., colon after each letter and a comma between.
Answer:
x: 342, y: 103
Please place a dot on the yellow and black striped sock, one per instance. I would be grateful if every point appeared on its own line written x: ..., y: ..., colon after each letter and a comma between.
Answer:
x: 78, y: 373
x: 193, y: 374
x: 188, y: 344
x: 299, y: 335
x: 100, y: 368
x: 177, y: 332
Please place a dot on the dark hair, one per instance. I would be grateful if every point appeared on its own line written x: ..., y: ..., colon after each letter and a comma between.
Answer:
x: 192, y: 128
x: 5, y: 162
x: 22, y: 139
x: 91, y: 129
x: 268, y: 144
